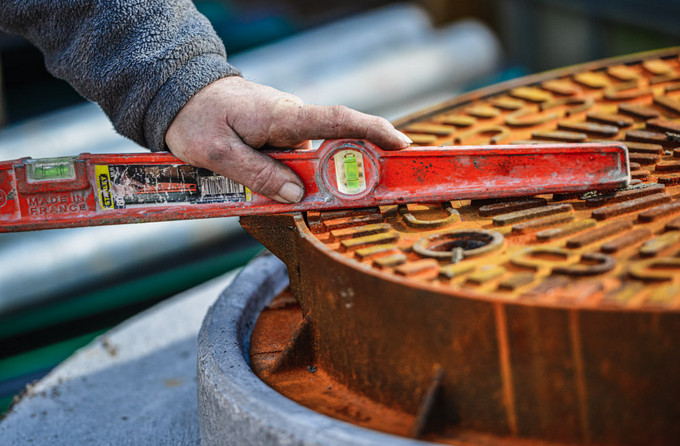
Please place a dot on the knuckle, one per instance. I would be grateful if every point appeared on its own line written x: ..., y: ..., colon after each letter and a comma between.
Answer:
x: 340, y: 113
x: 291, y: 100
x: 347, y: 121
x: 382, y: 122
x: 209, y: 153
x: 287, y: 118
x: 286, y: 104
x: 215, y: 151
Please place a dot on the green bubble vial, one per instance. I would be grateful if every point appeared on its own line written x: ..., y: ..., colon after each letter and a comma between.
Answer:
x: 51, y: 169
x: 351, y: 171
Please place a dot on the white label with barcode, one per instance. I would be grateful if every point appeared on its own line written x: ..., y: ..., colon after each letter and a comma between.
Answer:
x: 218, y: 185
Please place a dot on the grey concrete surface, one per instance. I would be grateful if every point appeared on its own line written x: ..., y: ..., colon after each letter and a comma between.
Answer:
x: 235, y: 407
x: 135, y: 385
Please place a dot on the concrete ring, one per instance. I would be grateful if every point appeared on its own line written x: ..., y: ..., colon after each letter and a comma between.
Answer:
x: 234, y: 405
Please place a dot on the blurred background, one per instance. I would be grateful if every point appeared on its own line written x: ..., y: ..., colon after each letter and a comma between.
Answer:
x: 59, y: 289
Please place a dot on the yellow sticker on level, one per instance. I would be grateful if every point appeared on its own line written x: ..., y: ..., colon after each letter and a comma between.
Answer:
x: 103, y: 178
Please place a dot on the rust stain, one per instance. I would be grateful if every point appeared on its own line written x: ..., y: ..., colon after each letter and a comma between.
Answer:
x: 625, y: 240
x: 630, y: 206
x: 581, y: 385
x: 610, y: 119
x: 506, y: 368
x: 514, y: 217
x: 510, y: 206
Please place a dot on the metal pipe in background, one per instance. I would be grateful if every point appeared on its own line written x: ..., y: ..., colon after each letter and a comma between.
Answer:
x: 449, y: 58
x: 322, y: 52
x: 67, y: 132
x: 381, y: 78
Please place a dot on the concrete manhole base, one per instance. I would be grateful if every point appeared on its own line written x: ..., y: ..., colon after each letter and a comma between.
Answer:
x: 234, y: 405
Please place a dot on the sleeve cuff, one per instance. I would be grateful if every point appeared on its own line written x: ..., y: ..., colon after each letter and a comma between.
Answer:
x: 177, y: 90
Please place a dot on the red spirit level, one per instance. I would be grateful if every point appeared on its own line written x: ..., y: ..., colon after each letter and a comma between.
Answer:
x: 89, y: 190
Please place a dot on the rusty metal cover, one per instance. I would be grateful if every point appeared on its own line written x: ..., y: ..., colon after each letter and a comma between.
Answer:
x: 547, y: 318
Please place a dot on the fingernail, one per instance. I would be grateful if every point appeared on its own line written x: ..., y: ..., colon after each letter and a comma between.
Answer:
x: 404, y: 138
x: 291, y: 192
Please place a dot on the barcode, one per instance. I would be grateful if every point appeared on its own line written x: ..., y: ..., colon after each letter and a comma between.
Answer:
x: 220, y: 186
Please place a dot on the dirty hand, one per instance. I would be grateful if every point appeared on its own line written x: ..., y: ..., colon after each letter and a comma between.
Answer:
x: 221, y: 127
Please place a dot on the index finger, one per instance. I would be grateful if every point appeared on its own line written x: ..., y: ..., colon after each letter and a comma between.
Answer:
x: 337, y: 121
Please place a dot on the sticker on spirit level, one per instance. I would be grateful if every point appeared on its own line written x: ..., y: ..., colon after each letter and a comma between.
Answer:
x: 103, y: 179
x: 125, y: 186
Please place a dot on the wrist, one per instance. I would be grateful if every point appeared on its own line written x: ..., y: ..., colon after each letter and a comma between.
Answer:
x: 177, y: 90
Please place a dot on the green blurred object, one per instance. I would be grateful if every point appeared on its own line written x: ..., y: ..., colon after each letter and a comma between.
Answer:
x: 43, y: 358
x: 164, y: 283
x: 21, y: 368
x: 39, y: 360
x: 5, y: 402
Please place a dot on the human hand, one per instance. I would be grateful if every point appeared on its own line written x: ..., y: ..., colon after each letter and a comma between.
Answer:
x: 223, y: 124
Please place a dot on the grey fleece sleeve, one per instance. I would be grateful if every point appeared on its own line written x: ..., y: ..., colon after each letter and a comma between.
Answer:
x: 140, y: 60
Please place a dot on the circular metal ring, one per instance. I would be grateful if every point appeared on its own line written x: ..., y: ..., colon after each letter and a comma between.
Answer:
x: 372, y: 171
x: 473, y: 242
x: 452, y: 216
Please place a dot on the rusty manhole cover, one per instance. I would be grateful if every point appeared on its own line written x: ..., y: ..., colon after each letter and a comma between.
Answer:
x: 537, y: 319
